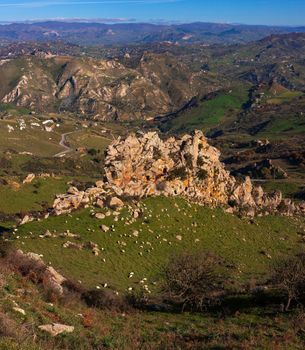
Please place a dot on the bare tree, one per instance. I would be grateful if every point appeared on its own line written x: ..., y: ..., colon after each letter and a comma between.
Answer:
x: 194, y: 280
x: 289, y: 275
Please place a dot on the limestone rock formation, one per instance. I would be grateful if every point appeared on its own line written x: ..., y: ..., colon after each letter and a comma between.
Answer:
x: 145, y: 165
x: 73, y: 199
x: 189, y: 167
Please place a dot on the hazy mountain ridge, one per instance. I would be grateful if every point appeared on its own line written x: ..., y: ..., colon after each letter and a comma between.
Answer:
x: 127, y: 33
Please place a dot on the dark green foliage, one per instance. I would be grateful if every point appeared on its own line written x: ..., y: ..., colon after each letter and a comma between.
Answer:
x: 5, y: 247
x: 92, y: 152
x: 179, y: 173
x: 200, y: 160
x: 106, y: 300
x: 202, y: 174
x: 188, y: 160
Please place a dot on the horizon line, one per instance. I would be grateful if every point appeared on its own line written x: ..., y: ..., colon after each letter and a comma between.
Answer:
x: 136, y: 21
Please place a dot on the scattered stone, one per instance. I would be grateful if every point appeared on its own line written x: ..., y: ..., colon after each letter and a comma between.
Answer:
x: 26, y: 219
x: 73, y: 245
x: 135, y: 233
x: 52, y: 281
x: 56, y: 329
x: 105, y: 228
x: 69, y: 234
x: 19, y: 310
x: 100, y: 216
x: 116, y: 203
x: 29, y: 179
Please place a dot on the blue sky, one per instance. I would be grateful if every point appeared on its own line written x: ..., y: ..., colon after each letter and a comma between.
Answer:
x: 288, y: 12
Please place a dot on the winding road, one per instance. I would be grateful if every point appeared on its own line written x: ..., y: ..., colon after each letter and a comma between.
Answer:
x: 63, y: 143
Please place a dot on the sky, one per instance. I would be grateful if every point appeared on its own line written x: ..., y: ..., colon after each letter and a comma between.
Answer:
x: 271, y: 12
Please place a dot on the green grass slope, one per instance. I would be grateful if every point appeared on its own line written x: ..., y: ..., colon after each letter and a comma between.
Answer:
x: 31, y: 197
x: 210, y: 113
x: 250, y: 246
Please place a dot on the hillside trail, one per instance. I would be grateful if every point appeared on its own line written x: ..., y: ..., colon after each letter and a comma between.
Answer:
x: 63, y: 143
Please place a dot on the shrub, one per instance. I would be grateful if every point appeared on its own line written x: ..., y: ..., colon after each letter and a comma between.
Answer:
x: 289, y: 276
x: 5, y: 248
x: 300, y: 195
x: 137, y: 299
x: 194, y: 280
x: 200, y: 162
x: 105, y: 300
x: 10, y: 329
x: 31, y: 268
x: 92, y: 152
x: 177, y: 173
x: 202, y: 174
x: 73, y: 286
x: 188, y: 160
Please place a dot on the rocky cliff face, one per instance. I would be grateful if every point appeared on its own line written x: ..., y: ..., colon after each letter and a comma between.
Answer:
x: 102, y: 89
x: 145, y: 165
x: 189, y: 167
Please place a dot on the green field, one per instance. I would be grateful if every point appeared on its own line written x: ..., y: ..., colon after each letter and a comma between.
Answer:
x: 285, y: 97
x: 210, y: 113
x: 242, y: 243
x: 31, y: 197
x: 288, y: 188
x: 282, y: 127
x: 88, y: 139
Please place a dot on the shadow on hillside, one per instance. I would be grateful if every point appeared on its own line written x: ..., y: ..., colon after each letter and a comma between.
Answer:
x: 3, y: 230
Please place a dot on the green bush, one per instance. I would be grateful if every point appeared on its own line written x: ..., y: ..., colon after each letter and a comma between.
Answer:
x: 202, y: 174
x: 179, y: 173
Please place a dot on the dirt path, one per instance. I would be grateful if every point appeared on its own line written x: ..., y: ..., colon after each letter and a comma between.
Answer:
x: 63, y: 143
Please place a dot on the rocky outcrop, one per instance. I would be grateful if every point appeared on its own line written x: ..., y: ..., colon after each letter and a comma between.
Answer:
x: 73, y: 199
x: 145, y: 165
x: 31, y: 263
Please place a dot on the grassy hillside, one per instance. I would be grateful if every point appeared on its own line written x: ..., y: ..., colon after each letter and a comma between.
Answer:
x: 250, y: 246
x: 210, y: 113
x: 31, y: 197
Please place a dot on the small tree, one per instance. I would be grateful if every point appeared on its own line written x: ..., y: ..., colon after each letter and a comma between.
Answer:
x: 289, y: 276
x: 194, y: 280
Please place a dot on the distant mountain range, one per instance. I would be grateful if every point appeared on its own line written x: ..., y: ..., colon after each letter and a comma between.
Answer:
x: 138, y: 33
x: 109, y: 83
